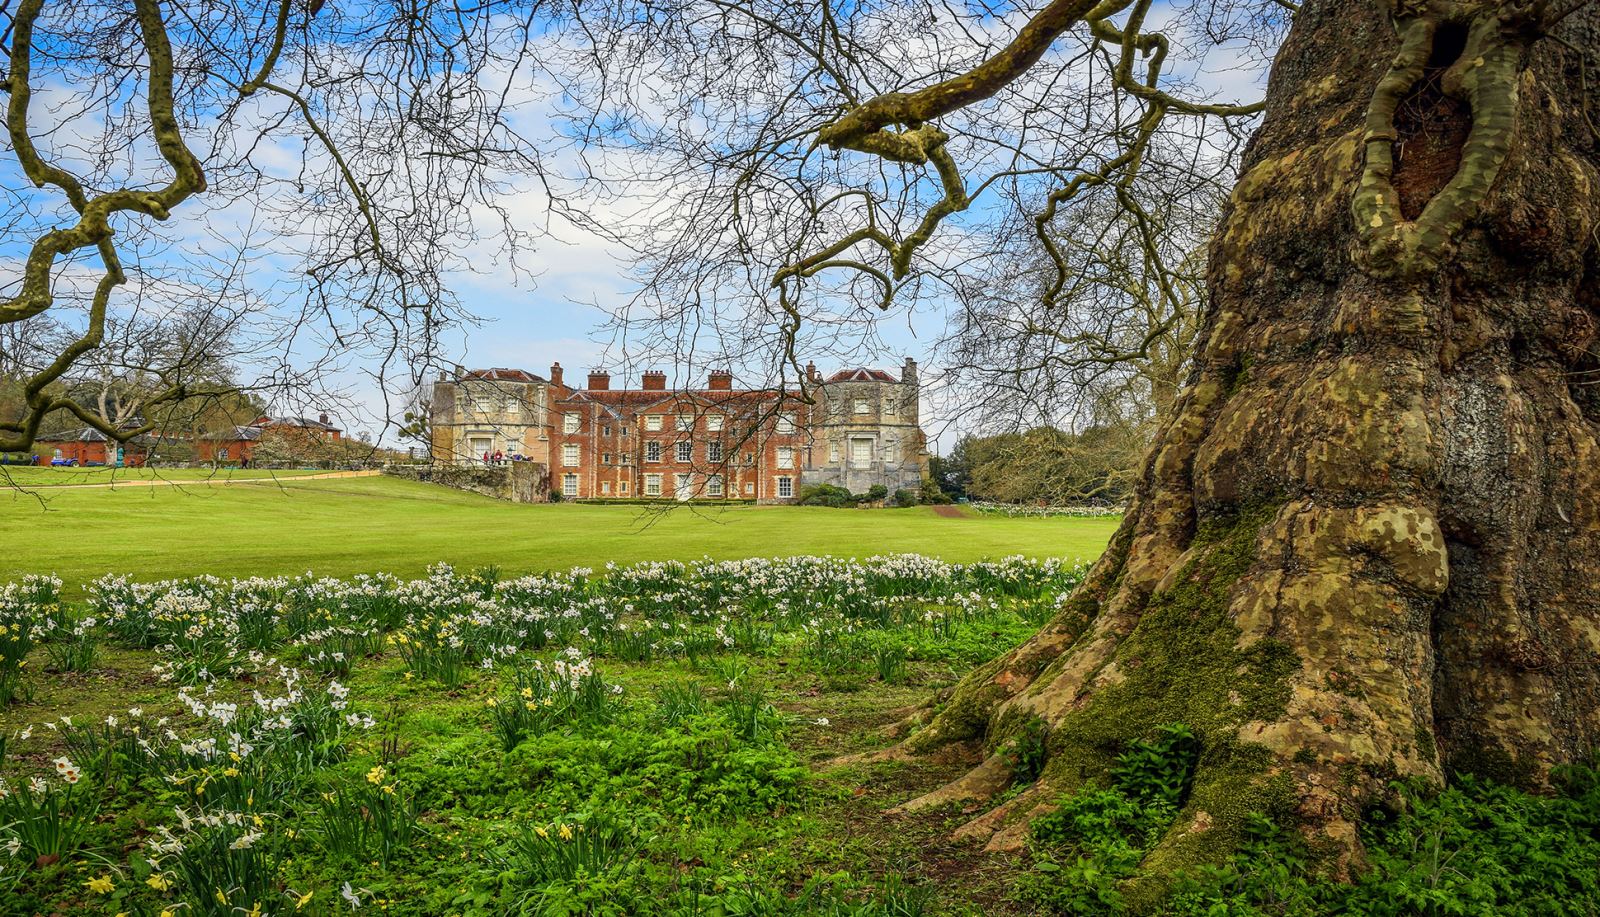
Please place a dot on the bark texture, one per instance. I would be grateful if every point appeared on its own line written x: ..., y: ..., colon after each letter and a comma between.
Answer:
x: 1366, y: 544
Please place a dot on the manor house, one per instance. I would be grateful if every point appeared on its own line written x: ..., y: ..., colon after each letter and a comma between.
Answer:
x: 856, y: 428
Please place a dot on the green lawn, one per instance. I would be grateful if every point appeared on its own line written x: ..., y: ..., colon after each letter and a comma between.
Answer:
x: 45, y: 476
x: 339, y: 527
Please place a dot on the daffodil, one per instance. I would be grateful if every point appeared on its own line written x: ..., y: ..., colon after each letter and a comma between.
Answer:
x: 157, y: 882
x: 101, y: 885
x: 303, y: 900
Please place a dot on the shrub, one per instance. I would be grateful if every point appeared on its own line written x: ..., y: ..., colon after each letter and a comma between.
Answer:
x: 827, y: 495
x: 875, y: 494
x: 904, y: 498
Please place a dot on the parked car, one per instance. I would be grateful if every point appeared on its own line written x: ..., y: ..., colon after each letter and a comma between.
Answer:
x: 63, y: 462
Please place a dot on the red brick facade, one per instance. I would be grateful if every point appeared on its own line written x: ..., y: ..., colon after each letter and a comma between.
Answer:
x: 706, y: 444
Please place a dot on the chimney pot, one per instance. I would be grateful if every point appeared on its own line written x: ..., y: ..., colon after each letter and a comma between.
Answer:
x: 655, y: 381
x: 555, y: 374
x: 599, y: 381
x: 721, y: 380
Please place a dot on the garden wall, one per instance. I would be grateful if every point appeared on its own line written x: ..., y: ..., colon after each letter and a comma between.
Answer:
x: 519, y: 482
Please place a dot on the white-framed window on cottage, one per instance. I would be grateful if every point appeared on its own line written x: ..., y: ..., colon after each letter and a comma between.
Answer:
x: 749, y: 488
x: 605, y: 487
x: 652, y: 452
x: 569, y: 485
x: 785, y: 456
x: 862, y: 407
x: 569, y: 455
x: 483, y: 403
x: 714, y: 486
x: 685, y: 422
x: 891, y: 452
x: 685, y: 451
x: 570, y: 423
x: 605, y: 458
x: 605, y: 430
x: 622, y: 487
x: 513, y: 407
x: 785, y: 486
x: 652, y: 422
x: 833, y: 452
x: 714, y: 452
x: 786, y: 423
x: 714, y: 423
x: 652, y: 485
x: 890, y: 408
x: 682, y: 486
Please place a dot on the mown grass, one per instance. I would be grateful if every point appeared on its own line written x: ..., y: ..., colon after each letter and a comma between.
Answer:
x: 46, y: 476
x: 340, y: 527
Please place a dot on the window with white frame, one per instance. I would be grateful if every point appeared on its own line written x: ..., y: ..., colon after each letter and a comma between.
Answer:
x: 605, y: 430
x: 890, y: 408
x: 569, y: 455
x: 786, y: 423
x: 627, y: 458
x: 682, y: 486
x: 749, y: 458
x: 652, y: 485
x: 652, y: 452
x: 685, y: 422
x: 605, y: 487
x: 484, y: 404
x: 605, y: 458
x: 833, y: 452
x: 714, y: 486
x: 569, y: 485
x: 861, y: 451
x: 652, y: 422
x: 513, y: 407
x: 714, y: 423
x: 713, y: 452
x: 891, y: 452
x: 570, y: 423
x: 785, y: 486
x: 685, y: 451
x: 749, y: 488
x: 862, y: 407
x: 785, y: 457
x: 622, y: 487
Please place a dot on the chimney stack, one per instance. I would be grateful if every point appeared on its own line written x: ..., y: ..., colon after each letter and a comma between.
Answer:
x: 599, y: 381
x: 721, y: 380
x: 655, y: 381
x: 555, y: 374
x: 322, y: 419
x: 811, y: 372
x: 909, y: 374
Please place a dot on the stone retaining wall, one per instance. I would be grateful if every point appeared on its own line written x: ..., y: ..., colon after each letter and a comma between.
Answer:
x: 519, y: 482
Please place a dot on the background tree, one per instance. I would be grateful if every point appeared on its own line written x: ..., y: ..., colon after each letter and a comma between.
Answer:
x: 309, y: 171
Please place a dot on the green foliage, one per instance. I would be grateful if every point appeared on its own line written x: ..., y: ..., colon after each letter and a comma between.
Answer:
x: 1027, y: 750
x: 1097, y: 838
x: 366, y: 819
x: 904, y: 498
x: 826, y: 495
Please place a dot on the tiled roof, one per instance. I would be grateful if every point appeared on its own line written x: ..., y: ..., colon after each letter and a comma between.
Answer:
x: 304, y: 423
x: 861, y: 374
x: 501, y: 374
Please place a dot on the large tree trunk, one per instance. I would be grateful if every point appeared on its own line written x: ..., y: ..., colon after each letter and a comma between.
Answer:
x: 1367, y: 542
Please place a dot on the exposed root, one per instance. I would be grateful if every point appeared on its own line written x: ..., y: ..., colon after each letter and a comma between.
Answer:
x: 980, y: 784
x: 992, y: 824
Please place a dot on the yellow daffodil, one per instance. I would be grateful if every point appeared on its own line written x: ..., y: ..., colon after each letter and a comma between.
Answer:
x: 101, y: 885
x: 565, y: 832
x: 303, y: 900
x: 157, y: 882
